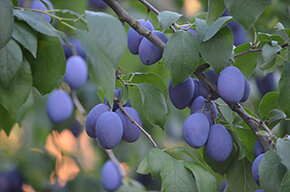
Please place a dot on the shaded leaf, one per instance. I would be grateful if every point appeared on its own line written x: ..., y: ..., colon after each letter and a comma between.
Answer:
x: 6, y: 20
x: 284, y: 91
x: 215, y: 10
x: 10, y: 62
x: 283, y: 152
x: 268, y: 102
x: 104, y: 47
x: 180, y: 56
x: 167, y: 18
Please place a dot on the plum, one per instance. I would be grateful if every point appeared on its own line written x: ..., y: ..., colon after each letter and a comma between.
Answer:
x: 219, y: 144
x: 148, y: 52
x: 59, y: 106
x: 196, y: 91
x: 131, y: 132
x: 134, y: 38
x: 93, y: 117
x: 73, y: 42
x: 181, y: 94
x: 37, y: 4
x: 111, y: 177
x: 247, y: 90
x: 76, y: 72
x: 266, y: 84
x: 196, y: 130
x: 203, y: 89
x: 99, y: 4
x: 109, y: 130
x: 231, y: 84
x: 255, y: 168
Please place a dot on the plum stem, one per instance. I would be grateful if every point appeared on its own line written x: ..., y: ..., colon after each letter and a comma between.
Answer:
x: 134, y: 122
x: 78, y: 103
x: 116, y: 161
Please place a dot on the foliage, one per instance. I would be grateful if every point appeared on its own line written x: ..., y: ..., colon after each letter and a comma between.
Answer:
x: 33, y: 64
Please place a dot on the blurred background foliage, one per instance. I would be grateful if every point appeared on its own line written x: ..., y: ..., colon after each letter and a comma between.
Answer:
x: 42, y: 156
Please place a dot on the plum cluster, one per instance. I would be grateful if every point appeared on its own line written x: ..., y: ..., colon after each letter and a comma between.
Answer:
x: 138, y: 45
x: 109, y: 127
x: 199, y: 129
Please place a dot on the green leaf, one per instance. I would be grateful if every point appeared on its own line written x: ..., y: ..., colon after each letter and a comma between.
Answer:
x: 10, y: 62
x: 248, y: 139
x: 246, y: 12
x: 180, y: 56
x: 167, y: 18
x: 271, y: 172
x: 274, y: 117
x: 216, y: 26
x: 284, y: 91
x: 176, y: 178
x: 239, y: 176
x: 283, y: 152
x: 268, y: 102
x: 247, y: 62
x: 215, y: 10
x: 104, y: 47
x: 238, y: 142
x: 6, y: 20
x: 143, y: 167
x: 269, y: 53
x: 150, y: 78
x: 216, y: 51
x: 6, y: 121
x: 285, y: 186
x: 49, y: 66
x: 156, y: 159
x: 205, y: 181
x: 154, y: 105
x: 24, y: 108
x: 131, y: 185
x: 136, y: 102
x: 26, y: 36
x: 15, y: 95
x: 221, y: 167
x: 38, y: 23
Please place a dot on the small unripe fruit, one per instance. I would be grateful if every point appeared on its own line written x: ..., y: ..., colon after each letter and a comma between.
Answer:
x: 109, y: 130
x: 59, y: 106
x: 111, y: 177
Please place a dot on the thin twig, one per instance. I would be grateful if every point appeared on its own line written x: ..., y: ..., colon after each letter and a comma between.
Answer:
x: 152, y: 8
x: 263, y: 124
x: 256, y: 50
x: 78, y: 103
x: 134, y: 122
x: 116, y: 161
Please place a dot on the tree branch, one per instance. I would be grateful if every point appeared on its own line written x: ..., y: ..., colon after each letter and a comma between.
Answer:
x: 134, y: 122
x: 125, y: 16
